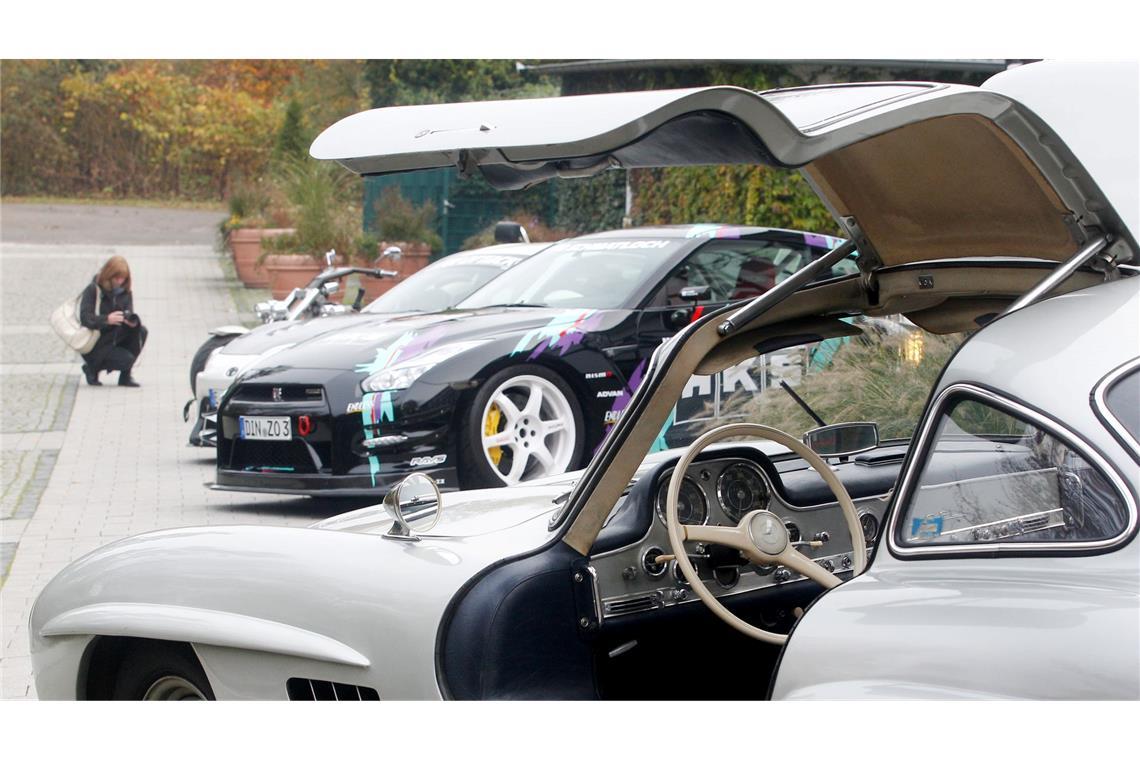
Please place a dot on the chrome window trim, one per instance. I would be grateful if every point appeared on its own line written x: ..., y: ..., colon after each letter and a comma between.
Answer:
x: 914, y: 467
x: 1104, y: 411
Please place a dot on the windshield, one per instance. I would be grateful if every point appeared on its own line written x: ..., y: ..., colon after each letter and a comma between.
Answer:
x: 882, y: 376
x: 442, y: 284
x: 594, y: 275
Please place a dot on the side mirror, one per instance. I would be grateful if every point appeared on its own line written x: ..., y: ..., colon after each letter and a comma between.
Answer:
x: 843, y: 439
x: 392, y: 252
x: 414, y: 503
x: 510, y: 232
x: 695, y: 293
x: 330, y: 257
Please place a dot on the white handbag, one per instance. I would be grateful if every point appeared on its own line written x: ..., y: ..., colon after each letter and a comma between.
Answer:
x: 65, y: 321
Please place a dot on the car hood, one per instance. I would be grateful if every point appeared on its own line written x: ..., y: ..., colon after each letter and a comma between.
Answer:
x: 364, y: 342
x: 915, y: 171
x: 264, y: 337
x: 464, y: 514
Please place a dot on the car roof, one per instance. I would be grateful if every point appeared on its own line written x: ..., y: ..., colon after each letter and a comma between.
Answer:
x: 711, y: 231
x: 518, y: 250
x: 1051, y: 354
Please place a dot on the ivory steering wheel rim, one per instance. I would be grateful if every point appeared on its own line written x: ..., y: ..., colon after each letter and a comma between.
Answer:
x: 756, y: 527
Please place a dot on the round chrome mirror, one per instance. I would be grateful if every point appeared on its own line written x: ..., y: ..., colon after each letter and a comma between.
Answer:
x: 414, y: 504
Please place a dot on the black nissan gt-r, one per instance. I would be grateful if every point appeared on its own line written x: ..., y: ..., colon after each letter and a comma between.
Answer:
x: 520, y: 381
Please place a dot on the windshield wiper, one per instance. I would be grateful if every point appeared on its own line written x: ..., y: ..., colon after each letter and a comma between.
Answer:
x: 803, y: 404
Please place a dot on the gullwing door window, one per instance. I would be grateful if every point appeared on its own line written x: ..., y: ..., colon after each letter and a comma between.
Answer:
x: 994, y: 475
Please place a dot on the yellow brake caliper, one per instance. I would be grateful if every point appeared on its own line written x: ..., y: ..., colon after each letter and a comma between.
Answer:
x: 491, y: 427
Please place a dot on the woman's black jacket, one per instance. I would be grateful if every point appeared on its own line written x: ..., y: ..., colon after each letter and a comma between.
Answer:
x: 110, y: 335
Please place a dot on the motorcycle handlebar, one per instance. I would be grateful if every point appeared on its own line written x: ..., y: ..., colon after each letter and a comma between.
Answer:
x: 335, y: 274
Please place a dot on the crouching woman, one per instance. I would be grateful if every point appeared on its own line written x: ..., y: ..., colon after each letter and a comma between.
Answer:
x: 107, y: 305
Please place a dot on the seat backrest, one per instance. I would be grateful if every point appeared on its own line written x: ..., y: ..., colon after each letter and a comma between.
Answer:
x: 756, y: 276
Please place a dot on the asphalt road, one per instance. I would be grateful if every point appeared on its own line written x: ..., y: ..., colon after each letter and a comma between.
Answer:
x: 65, y: 224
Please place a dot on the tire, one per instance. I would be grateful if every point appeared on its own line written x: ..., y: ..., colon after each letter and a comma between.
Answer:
x: 202, y: 355
x: 161, y: 671
x: 503, y: 407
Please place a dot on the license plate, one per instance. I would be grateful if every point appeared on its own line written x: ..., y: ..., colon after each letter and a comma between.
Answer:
x: 265, y: 428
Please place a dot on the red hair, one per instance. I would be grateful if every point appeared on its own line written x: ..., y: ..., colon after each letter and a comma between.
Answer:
x: 116, y: 266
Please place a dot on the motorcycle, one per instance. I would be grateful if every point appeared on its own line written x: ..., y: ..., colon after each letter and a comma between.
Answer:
x: 311, y: 301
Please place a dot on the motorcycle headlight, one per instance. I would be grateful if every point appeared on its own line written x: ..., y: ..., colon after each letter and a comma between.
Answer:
x: 405, y: 372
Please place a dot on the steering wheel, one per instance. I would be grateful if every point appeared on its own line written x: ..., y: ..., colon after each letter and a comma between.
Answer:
x: 761, y: 535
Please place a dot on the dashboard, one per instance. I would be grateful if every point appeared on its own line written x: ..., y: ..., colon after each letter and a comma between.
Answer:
x: 719, y: 489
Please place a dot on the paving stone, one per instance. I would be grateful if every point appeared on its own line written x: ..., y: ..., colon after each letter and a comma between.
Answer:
x: 35, y: 404
x: 35, y: 347
x: 104, y: 463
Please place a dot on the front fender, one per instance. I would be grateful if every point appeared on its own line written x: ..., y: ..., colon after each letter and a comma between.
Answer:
x: 229, y: 330
x: 263, y: 604
x: 201, y: 626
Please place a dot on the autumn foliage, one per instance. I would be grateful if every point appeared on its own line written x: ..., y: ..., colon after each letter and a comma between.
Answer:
x: 146, y: 129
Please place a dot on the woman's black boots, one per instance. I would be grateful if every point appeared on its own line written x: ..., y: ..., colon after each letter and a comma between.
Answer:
x: 92, y: 375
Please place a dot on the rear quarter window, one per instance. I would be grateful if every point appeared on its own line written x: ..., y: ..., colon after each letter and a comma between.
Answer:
x: 1122, y: 401
x: 992, y: 475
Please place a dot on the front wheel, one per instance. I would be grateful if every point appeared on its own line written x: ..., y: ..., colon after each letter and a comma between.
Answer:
x: 161, y: 671
x: 524, y: 424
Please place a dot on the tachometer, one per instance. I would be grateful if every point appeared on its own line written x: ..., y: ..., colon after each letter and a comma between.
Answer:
x: 741, y: 489
x: 692, y: 509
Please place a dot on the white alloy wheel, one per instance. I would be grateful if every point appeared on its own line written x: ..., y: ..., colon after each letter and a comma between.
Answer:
x: 528, y: 429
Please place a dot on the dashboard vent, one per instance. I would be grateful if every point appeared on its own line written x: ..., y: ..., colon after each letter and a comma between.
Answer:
x: 632, y: 604
x: 310, y: 690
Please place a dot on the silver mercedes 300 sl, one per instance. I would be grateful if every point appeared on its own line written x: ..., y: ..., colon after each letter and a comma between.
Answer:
x: 975, y: 551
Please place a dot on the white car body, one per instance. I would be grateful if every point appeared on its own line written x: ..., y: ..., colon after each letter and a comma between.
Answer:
x: 443, y: 616
x: 228, y: 362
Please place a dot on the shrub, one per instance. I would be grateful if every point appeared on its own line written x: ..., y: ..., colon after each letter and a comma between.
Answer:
x: 866, y: 380
x: 398, y: 220
x: 323, y: 215
x: 535, y: 230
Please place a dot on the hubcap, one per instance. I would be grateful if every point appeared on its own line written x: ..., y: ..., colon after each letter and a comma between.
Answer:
x: 172, y: 689
x: 528, y: 430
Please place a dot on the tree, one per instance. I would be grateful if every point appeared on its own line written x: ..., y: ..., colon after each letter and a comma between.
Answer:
x: 292, y: 141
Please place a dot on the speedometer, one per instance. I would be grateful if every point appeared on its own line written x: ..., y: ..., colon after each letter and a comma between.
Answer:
x: 740, y: 490
x: 692, y: 509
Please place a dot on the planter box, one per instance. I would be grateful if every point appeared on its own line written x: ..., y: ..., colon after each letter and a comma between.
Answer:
x: 414, y: 257
x: 288, y: 271
x: 245, y: 244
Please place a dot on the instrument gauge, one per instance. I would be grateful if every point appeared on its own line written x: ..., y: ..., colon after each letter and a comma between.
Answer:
x: 692, y: 508
x: 870, y: 525
x: 740, y: 489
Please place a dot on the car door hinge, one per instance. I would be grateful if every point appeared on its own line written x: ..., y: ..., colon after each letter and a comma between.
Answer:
x: 588, y: 616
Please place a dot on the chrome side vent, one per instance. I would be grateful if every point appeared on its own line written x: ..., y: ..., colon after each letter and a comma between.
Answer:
x: 629, y: 604
x: 311, y: 690
x: 1037, y: 522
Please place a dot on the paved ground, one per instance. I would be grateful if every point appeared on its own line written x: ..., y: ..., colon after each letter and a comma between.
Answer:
x: 83, y: 466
